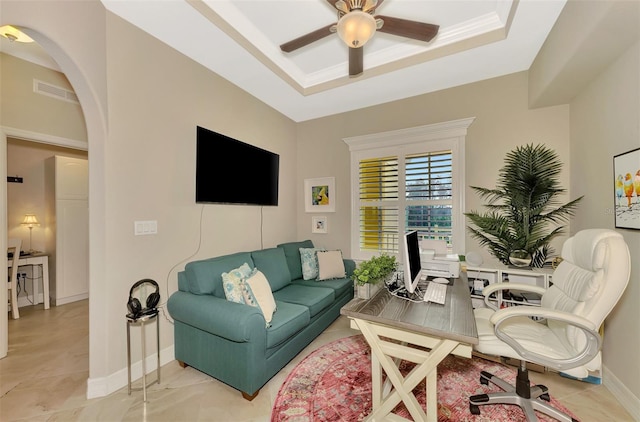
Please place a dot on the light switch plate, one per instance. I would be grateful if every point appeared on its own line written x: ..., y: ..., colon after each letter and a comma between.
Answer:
x: 141, y: 228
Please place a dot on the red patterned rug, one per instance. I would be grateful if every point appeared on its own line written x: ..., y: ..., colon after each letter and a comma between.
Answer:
x: 333, y: 383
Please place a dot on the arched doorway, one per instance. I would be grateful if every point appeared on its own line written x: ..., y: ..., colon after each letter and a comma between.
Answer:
x: 96, y: 135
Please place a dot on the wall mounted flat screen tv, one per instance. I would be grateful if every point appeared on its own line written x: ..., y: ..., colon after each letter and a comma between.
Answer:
x: 229, y: 171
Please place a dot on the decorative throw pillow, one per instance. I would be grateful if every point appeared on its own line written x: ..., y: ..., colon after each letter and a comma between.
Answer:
x: 309, y: 260
x: 330, y: 265
x: 261, y: 290
x: 232, y: 282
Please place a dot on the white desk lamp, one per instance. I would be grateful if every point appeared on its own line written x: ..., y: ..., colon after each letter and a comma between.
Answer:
x: 30, y: 221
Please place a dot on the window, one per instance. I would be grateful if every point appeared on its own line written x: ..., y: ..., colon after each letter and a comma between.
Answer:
x: 407, y: 180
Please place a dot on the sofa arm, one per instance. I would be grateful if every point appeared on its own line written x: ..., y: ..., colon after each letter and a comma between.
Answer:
x: 349, y: 266
x: 220, y: 317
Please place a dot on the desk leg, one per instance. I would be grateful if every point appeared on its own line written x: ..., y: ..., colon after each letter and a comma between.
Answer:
x: 45, y: 281
x: 426, y: 368
x: 34, y: 285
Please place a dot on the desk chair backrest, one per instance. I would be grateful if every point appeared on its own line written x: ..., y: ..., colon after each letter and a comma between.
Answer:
x: 589, y: 281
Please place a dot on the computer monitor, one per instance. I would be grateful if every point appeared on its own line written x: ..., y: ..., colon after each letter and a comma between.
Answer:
x: 412, y: 268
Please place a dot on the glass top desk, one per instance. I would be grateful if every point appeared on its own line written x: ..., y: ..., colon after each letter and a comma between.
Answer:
x: 441, y: 329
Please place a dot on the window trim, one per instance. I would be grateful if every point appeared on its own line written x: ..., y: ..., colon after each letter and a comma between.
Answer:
x: 447, y: 135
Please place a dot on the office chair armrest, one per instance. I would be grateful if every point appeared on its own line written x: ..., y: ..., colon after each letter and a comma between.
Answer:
x: 592, y: 345
x: 521, y: 287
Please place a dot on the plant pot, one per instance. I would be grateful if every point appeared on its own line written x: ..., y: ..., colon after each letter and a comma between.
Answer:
x: 366, y: 291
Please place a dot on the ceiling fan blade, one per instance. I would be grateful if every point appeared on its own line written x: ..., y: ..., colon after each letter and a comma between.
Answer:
x: 356, y: 65
x: 371, y: 5
x: 306, y: 39
x: 409, y: 29
x: 341, y: 6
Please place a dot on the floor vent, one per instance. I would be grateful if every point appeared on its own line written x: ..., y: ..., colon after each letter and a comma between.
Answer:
x: 55, y: 91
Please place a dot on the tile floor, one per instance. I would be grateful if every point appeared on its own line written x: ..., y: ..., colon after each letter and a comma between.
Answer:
x: 43, y: 378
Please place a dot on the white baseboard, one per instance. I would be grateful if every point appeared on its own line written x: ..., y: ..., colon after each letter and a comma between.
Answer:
x: 100, y: 387
x: 620, y: 391
x: 69, y: 299
x: 28, y: 300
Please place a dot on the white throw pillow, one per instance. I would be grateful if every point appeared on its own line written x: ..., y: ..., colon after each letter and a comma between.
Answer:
x: 330, y: 265
x: 261, y: 290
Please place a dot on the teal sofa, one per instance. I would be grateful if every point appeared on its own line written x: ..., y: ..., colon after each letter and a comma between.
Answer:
x: 230, y: 341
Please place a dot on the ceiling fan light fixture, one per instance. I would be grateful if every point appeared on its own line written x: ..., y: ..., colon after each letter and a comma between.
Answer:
x: 356, y: 28
x: 14, y: 34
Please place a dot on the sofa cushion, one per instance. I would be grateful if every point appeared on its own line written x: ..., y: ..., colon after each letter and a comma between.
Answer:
x: 339, y: 285
x: 292, y: 253
x: 273, y: 265
x: 314, y: 298
x: 330, y: 265
x: 309, y: 260
x: 262, y: 293
x: 289, y: 319
x: 205, y: 277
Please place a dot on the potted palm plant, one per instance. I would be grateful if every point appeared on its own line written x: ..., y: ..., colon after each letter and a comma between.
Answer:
x: 524, y: 213
x: 370, y: 274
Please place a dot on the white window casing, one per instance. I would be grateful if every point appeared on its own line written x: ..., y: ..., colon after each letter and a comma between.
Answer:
x: 402, y: 147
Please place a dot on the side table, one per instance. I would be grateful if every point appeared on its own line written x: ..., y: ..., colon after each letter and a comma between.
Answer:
x: 142, y: 321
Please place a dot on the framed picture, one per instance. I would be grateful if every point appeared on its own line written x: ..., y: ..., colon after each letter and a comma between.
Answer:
x: 626, y: 174
x: 320, y: 194
x: 319, y: 224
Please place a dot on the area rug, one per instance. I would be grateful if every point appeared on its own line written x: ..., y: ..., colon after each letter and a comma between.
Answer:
x: 333, y: 383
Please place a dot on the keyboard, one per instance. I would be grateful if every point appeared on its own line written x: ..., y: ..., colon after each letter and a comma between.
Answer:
x: 435, y: 293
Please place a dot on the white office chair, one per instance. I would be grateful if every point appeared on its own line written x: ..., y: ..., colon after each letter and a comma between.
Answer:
x: 14, y: 246
x: 586, y: 286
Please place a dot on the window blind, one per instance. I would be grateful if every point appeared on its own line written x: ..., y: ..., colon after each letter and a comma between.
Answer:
x: 424, y: 197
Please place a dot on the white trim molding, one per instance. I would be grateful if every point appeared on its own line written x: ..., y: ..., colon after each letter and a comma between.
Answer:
x: 103, y: 386
x: 620, y: 391
x: 44, y: 138
x: 445, y: 135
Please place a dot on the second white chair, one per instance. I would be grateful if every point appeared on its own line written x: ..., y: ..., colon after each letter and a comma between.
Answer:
x: 14, y: 246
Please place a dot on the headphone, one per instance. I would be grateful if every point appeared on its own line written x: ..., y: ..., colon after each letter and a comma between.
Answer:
x: 133, y: 304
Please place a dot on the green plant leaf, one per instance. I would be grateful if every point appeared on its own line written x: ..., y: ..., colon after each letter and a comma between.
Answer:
x: 523, y: 211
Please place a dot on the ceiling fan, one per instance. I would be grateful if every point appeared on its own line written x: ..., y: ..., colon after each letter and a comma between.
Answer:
x: 356, y: 25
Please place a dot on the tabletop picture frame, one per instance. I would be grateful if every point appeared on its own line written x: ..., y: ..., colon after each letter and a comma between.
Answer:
x: 626, y: 180
x: 320, y: 194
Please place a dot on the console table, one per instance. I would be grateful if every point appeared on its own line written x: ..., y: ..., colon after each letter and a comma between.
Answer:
x: 41, y: 259
x: 440, y: 329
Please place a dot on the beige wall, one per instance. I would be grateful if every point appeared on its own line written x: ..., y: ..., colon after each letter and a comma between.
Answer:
x: 156, y: 100
x: 23, y: 108
x: 503, y: 121
x: 142, y: 163
x: 604, y: 123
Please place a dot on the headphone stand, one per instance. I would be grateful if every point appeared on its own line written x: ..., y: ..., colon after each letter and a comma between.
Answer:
x: 142, y: 321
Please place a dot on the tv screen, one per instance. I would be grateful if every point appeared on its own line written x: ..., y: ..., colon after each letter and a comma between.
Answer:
x: 232, y: 172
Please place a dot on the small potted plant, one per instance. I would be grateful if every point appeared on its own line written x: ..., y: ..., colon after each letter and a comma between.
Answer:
x: 370, y: 274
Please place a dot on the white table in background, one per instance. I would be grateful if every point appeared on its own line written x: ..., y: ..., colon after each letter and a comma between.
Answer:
x: 41, y: 259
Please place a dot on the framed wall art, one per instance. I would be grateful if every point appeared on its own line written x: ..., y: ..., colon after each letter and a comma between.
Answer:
x: 319, y: 224
x: 626, y: 174
x: 320, y: 194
